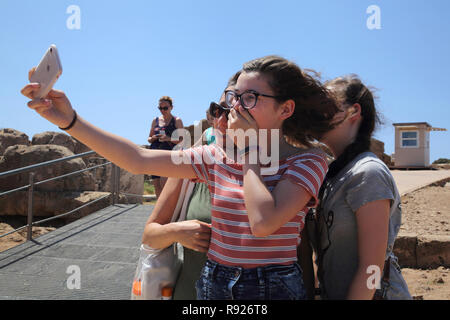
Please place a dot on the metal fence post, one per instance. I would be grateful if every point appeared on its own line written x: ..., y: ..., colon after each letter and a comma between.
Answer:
x: 117, y: 187
x: 113, y: 184
x: 30, y: 208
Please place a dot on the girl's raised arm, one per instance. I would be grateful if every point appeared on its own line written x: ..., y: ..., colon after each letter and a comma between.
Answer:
x: 57, y: 109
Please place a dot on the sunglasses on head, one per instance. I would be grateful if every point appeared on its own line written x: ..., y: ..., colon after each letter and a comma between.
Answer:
x: 163, y: 108
x: 216, y: 110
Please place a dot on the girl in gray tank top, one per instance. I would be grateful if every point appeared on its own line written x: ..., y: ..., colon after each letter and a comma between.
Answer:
x: 353, y: 229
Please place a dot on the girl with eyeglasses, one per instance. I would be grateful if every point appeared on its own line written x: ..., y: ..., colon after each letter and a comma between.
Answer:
x: 160, y: 135
x: 257, y: 210
x: 354, y: 228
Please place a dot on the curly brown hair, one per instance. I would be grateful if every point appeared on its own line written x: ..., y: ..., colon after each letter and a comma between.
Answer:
x: 315, y: 106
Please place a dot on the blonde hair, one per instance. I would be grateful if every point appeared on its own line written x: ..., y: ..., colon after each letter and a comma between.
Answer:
x: 167, y: 99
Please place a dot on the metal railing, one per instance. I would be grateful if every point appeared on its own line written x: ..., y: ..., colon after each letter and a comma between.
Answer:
x: 115, y: 188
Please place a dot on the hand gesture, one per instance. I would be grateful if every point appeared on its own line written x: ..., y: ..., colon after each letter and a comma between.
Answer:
x: 240, y: 118
x: 195, y: 235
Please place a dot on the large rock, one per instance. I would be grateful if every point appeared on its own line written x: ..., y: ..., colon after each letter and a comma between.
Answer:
x: 433, y: 251
x: 57, y: 138
x: 65, y: 194
x: 52, y: 203
x: 129, y: 183
x: 10, y: 137
x: 377, y: 147
x: 64, y: 140
x: 422, y: 251
x: 405, y: 250
x: 21, y: 156
x: 82, y: 148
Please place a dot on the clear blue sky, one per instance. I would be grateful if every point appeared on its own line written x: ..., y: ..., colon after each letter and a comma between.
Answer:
x: 128, y: 54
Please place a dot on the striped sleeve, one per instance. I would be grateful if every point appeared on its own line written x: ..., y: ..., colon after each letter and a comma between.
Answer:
x: 308, y: 171
x: 200, y: 158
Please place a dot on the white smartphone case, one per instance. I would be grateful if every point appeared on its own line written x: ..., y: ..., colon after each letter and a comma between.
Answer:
x: 47, y: 72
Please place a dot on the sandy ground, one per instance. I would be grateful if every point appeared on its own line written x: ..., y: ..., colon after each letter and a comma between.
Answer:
x: 427, y: 211
x: 8, y: 224
x: 431, y: 204
x: 424, y: 212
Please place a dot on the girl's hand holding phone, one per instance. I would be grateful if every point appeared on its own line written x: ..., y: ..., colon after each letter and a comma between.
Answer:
x: 55, y: 107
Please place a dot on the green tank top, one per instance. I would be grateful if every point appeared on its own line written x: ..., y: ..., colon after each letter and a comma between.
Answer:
x: 199, y: 208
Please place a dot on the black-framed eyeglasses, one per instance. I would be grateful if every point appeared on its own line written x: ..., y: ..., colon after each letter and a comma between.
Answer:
x: 216, y: 110
x: 248, y: 98
x: 163, y: 108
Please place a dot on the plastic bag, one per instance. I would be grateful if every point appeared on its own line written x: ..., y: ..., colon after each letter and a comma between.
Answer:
x: 157, y: 269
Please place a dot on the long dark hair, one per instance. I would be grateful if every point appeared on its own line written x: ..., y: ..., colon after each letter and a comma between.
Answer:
x: 315, y: 107
x: 349, y: 90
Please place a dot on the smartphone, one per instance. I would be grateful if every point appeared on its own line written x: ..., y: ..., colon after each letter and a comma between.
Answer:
x: 47, y: 72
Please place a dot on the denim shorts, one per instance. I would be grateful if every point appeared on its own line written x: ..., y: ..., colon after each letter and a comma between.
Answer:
x: 272, y: 282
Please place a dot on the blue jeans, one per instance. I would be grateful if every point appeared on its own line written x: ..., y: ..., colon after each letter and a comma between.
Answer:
x: 273, y: 282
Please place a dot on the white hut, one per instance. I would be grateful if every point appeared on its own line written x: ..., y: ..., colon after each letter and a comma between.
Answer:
x: 412, y: 144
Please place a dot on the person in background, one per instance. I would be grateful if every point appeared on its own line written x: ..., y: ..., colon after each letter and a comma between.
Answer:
x: 160, y: 135
x: 359, y: 215
x: 209, y: 132
x: 193, y: 233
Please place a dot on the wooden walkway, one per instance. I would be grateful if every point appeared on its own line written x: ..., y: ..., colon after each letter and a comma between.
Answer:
x: 102, y: 248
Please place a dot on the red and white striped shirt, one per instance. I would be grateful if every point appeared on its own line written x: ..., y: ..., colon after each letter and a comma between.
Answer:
x: 232, y: 242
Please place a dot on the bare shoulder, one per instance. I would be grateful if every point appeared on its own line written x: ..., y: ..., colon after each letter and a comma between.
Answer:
x: 178, y: 121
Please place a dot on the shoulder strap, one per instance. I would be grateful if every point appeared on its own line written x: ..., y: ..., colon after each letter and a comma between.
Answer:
x: 177, y: 211
x: 187, y: 197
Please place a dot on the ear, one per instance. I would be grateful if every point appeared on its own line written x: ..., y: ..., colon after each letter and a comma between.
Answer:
x: 354, y: 112
x: 287, y: 109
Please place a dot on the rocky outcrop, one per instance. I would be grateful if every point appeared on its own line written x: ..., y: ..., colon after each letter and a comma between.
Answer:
x: 21, y: 156
x: 57, y: 138
x: 52, y: 203
x: 11, y: 137
x: 377, y: 147
x: 61, y: 195
x: 129, y: 183
x: 422, y: 251
x: 62, y: 139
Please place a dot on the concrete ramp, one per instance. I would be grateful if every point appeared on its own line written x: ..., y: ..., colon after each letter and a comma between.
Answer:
x: 103, y: 247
